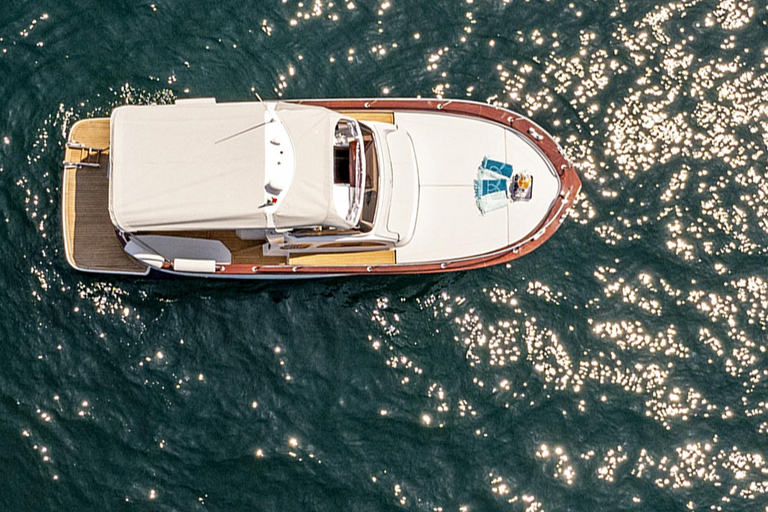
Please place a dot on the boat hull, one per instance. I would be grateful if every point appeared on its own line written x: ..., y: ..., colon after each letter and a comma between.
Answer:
x: 548, y: 149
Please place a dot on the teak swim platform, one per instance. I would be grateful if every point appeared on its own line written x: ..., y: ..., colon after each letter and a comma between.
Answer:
x: 310, y: 188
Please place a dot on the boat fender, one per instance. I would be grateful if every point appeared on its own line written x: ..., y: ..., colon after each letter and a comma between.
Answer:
x: 197, y: 266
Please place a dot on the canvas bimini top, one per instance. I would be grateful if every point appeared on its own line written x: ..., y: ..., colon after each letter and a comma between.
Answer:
x: 205, y: 166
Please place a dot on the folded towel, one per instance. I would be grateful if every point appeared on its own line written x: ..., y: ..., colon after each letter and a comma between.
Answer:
x: 491, y: 202
x: 492, y: 185
x: 498, y: 167
x: 487, y: 174
x: 485, y: 187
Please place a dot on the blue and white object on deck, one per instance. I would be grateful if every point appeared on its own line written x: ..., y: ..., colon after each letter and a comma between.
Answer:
x: 495, y: 186
x: 492, y: 185
x: 497, y: 167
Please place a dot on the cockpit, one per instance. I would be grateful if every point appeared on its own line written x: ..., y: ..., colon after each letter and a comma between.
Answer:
x: 355, y: 173
x: 348, y: 170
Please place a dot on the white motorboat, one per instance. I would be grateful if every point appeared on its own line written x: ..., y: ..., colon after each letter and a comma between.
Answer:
x: 310, y: 188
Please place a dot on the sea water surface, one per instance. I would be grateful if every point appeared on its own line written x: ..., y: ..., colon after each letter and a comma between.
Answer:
x: 622, y: 366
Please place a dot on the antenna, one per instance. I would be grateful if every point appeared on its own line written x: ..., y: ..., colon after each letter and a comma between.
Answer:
x: 254, y: 127
x: 271, y: 115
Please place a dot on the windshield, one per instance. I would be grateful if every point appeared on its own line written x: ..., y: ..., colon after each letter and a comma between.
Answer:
x: 348, y: 170
x: 371, y: 194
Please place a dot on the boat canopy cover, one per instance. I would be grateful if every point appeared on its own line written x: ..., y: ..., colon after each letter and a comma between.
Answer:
x: 201, y: 166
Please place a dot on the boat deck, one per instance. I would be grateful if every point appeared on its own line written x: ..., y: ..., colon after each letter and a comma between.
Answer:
x: 89, y: 237
x: 446, y: 198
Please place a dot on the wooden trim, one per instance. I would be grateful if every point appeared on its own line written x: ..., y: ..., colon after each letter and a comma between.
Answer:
x: 68, y: 211
x: 379, y: 117
x: 344, y: 259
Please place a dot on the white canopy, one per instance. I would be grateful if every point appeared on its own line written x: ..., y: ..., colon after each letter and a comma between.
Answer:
x: 201, y: 166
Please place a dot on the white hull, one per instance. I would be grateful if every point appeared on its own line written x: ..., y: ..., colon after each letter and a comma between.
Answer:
x: 427, y: 160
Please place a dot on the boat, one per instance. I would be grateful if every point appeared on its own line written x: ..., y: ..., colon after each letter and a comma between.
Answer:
x: 310, y: 188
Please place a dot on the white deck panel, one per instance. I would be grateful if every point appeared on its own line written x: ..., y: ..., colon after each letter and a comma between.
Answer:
x: 405, y: 186
x: 525, y: 216
x: 449, y: 149
x: 450, y: 226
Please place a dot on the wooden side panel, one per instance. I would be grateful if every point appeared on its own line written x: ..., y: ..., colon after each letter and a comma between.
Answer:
x: 381, y: 117
x: 68, y: 211
x: 344, y: 259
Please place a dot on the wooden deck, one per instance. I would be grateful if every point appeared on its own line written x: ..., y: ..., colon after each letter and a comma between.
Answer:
x: 367, y: 115
x: 336, y: 259
x: 90, y: 240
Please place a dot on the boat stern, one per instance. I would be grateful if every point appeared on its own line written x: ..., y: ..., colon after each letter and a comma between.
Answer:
x: 91, y: 243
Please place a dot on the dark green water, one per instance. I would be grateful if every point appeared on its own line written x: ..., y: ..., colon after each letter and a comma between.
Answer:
x: 622, y: 366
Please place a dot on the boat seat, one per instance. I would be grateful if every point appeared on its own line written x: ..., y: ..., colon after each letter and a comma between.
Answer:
x: 178, y: 247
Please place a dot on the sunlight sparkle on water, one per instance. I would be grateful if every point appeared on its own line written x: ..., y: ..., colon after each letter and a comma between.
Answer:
x: 649, y: 302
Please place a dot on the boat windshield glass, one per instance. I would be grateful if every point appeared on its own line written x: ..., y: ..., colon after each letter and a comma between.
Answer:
x: 349, y: 170
x: 369, y: 185
x: 371, y: 193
